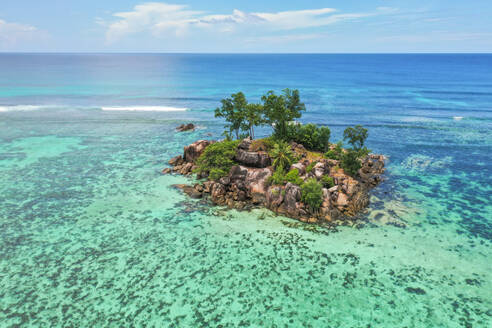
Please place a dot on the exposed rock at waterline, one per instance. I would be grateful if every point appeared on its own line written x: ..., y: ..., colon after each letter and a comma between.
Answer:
x: 186, y: 127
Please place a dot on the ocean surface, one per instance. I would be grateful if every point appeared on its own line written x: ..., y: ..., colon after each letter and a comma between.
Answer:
x: 92, y: 235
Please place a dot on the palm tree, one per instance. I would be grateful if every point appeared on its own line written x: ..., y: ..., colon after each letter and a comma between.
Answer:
x: 282, y: 155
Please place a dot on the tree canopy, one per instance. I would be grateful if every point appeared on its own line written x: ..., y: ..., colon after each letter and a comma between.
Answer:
x: 281, y: 110
x: 356, y: 136
x: 240, y: 115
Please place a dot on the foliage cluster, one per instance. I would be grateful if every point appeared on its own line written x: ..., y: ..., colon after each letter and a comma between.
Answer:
x: 356, y: 137
x: 265, y: 144
x: 350, y: 162
x: 278, y: 177
x: 312, y: 193
x: 281, y: 110
x: 327, y: 181
x: 217, y: 159
x: 310, y: 167
x: 293, y: 177
x: 336, y: 153
x: 240, y: 116
x: 278, y: 111
x: 282, y: 155
x: 310, y: 136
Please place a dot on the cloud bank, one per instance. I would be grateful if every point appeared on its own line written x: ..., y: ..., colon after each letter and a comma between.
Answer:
x: 13, y: 33
x: 163, y: 19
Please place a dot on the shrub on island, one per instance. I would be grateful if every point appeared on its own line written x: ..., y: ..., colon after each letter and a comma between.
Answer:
x: 277, y: 178
x: 217, y: 159
x: 293, y: 177
x: 310, y: 136
x: 265, y: 144
x: 312, y: 194
x: 310, y: 167
x: 336, y: 153
x: 327, y: 181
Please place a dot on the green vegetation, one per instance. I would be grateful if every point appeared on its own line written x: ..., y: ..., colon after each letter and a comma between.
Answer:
x: 336, y: 153
x: 293, y: 177
x: 310, y: 167
x: 277, y: 110
x: 278, y: 177
x: 252, y: 117
x: 282, y: 155
x: 281, y: 110
x: 240, y: 116
x: 350, y: 162
x: 232, y: 111
x: 310, y: 136
x: 356, y: 136
x: 265, y: 144
x: 327, y: 181
x: 217, y: 159
x: 312, y: 193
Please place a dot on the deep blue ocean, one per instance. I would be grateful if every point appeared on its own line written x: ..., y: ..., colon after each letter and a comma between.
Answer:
x: 92, y: 235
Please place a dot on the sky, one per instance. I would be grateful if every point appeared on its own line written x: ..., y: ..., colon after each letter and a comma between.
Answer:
x: 254, y: 26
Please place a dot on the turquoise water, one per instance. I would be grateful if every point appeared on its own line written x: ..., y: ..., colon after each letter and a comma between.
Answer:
x: 92, y: 235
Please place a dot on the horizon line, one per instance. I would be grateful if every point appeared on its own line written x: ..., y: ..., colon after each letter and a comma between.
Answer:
x: 244, y: 53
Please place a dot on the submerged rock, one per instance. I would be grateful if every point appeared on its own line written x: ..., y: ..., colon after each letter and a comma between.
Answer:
x: 189, y: 190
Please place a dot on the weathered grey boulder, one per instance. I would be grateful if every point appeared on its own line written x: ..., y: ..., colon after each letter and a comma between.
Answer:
x: 253, y: 159
x: 245, y: 144
x: 252, y: 180
x: 371, y: 170
x: 186, y: 168
x: 218, y: 193
x: 207, y: 186
x: 256, y: 179
x: 342, y: 199
x: 225, y: 181
x: 238, y: 172
x: 193, y: 151
x: 274, y: 197
x: 292, y: 196
x: 319, y: 170
x: 255, y: 183
x: 178, y: 160
x: 300, y: 167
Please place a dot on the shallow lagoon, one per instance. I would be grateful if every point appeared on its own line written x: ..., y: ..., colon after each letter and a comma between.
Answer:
x: 93, y: 235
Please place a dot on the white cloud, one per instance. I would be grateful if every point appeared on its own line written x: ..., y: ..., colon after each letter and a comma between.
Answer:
x: 171, y: 19
x: 153, y: 16
x: 13, y: 33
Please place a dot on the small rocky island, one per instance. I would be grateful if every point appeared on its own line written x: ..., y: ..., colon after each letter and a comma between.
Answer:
x: 295, y: 172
